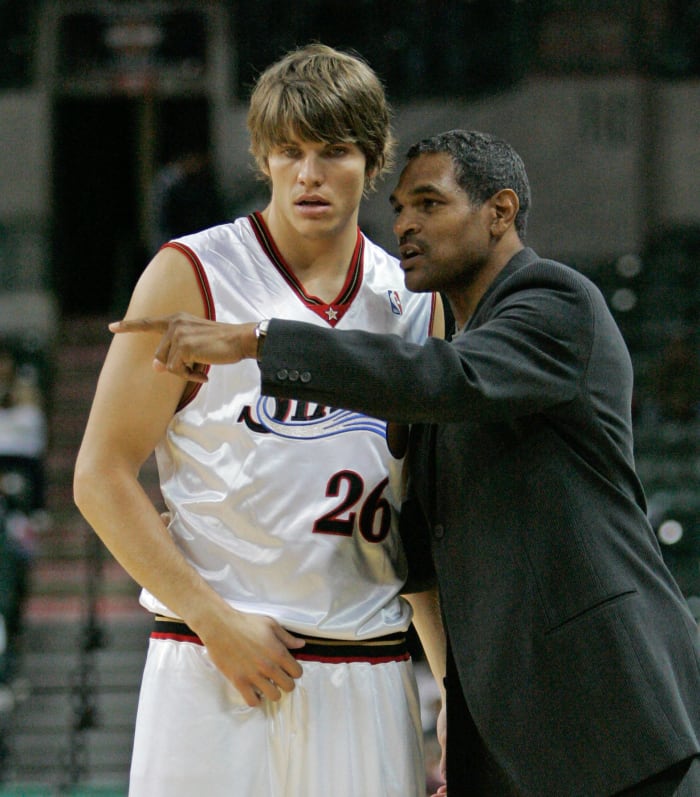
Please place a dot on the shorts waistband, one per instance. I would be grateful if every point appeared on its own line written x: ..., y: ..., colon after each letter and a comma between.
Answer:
x: 391, y: 647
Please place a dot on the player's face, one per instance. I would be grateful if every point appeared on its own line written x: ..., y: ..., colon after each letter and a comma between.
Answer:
x: 443, y: 238
x: 316, y: 186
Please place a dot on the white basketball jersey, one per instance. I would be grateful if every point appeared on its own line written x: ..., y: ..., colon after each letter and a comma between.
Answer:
x: 287, y: 508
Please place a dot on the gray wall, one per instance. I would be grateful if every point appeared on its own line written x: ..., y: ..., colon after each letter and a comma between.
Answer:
x: 609, y: 161
x: 26, y: 306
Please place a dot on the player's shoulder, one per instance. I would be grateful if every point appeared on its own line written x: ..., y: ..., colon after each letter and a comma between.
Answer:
x: 219, y: 246
x: 235, y: 231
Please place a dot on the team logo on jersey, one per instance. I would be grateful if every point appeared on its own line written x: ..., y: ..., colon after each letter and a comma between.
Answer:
x: 301, y: 420
x: 395, y: 302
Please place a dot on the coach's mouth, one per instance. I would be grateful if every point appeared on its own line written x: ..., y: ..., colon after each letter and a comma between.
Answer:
x: 408, y: 252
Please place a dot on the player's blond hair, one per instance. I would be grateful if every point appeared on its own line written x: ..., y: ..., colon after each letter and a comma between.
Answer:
x: 321, y: 94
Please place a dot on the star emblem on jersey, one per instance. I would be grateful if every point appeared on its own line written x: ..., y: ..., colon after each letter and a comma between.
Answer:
x: 331, y: 314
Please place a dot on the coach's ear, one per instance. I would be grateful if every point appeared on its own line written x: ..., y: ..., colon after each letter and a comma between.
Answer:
x: 504, y: 206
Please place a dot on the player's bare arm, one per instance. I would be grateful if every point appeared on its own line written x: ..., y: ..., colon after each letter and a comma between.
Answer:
x: 427, y: 620
x: 132, y: 407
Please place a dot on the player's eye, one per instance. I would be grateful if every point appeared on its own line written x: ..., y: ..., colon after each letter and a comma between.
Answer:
x: 287, y: 150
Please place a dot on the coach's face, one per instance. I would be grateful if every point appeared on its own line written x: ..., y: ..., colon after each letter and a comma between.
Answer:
x: 444, y: 239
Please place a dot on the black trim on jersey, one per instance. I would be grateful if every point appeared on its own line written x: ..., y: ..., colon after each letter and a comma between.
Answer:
x: 391, y: 647
x: 167, y: 628
x: 330, y: 312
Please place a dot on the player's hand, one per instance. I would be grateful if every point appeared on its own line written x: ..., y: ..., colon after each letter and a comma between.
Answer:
x: 252, y: 651
x: 442, y: 738
x: 189, y: 343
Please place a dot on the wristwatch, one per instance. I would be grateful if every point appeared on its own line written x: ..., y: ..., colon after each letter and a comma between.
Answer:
x: 260, y: 333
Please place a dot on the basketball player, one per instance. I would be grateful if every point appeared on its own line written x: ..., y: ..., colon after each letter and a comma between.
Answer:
x: 278, y: 663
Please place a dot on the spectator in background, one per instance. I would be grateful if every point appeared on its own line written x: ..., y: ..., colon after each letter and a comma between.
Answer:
x: 15, y: 562
x: 676, y: 381
x: 23, y: 437
x: 185, y: 198
x: 23, y: 431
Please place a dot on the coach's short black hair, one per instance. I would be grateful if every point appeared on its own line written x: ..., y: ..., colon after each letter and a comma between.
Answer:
x: 483, y: 166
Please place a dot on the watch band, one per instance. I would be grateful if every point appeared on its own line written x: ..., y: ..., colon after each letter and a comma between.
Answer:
x: 260, y: 333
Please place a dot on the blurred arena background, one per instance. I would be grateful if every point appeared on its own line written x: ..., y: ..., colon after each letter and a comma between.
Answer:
x: 100, y: 101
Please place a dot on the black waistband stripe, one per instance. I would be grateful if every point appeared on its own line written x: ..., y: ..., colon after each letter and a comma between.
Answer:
x: 391, y: 647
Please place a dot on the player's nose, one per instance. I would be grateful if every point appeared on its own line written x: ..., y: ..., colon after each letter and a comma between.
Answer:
x: 310, y: 170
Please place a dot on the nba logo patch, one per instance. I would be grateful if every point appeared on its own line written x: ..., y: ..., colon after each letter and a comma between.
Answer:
x: 395, y: 302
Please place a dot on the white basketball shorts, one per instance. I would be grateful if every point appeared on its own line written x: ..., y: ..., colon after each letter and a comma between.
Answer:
x: 350, y: 728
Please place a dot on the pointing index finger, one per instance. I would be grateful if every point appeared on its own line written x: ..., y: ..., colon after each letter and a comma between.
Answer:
x: 139, y: 325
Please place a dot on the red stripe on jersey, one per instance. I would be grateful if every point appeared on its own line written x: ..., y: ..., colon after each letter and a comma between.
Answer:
x: 433, y: 310
x: 331, y: 312
x: 207, y: 298
x: 177, y: 637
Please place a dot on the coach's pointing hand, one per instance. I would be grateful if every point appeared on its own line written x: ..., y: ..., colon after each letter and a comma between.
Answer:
x: 189, y: 344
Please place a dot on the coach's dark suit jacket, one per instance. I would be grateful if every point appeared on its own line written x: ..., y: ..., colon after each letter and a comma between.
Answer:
x: 576, y: 653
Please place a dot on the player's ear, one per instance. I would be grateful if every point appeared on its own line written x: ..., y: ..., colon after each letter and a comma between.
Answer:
x: 370, y: 177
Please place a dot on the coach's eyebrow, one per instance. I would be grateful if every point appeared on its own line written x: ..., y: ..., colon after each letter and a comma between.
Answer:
x: 418, y: 190
x: 426, y: 188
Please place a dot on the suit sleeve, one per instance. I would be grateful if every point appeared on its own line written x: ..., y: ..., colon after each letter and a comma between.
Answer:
x: 527, y: 356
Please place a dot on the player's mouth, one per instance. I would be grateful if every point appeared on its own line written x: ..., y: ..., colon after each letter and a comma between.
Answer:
x: 311, y: 204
